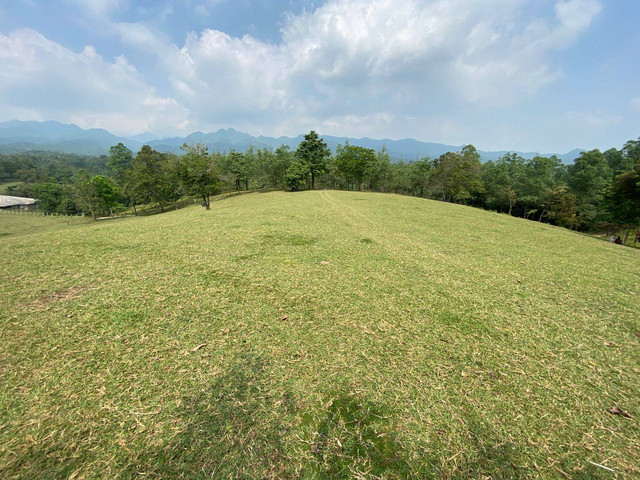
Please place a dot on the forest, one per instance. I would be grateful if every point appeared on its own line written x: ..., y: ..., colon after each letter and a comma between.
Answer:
x: 600, y: 191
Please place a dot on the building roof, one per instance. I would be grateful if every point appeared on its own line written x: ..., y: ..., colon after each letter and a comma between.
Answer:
x: 9, y: 201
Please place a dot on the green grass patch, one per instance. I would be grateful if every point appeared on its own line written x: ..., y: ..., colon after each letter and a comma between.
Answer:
x: 343, y: 335
x: 29, y: 223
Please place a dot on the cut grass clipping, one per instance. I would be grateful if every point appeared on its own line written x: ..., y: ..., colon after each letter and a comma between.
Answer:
x: 309, y: 335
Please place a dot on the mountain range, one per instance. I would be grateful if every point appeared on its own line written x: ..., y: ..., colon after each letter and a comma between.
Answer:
x: 19, y: 136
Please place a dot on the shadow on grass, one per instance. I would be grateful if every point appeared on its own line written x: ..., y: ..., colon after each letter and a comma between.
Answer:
x: 233, y: 429
x: 354, y: 440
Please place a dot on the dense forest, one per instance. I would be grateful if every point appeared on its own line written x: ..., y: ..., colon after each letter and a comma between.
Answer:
x: 599, y: 191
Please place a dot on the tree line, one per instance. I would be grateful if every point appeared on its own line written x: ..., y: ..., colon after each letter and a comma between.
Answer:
x: 600, y: 190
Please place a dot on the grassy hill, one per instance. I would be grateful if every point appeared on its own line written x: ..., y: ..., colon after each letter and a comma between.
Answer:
x: 318, y: 335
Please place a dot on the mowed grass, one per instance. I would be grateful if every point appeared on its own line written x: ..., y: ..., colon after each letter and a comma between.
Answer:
x: 18, y: 223
x: 318, y: 335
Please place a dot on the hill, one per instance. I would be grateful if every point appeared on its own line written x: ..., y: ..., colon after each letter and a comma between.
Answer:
x: 17, y: 136
x: 318, y: 335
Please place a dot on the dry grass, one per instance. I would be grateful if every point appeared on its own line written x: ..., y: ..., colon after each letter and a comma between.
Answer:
x: 347, y: 336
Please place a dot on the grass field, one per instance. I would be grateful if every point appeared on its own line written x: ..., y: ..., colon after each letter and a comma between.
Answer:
x: 318, y: 335
x: 16, y: 224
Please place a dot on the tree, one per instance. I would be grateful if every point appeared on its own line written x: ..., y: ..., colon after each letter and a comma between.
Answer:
x: 588, y: 177
x: 561, y: 207
x: 119, y: 163
x: 106, y: 192
x: 622, y: 199
x: 277, y: 168
x: 631, y: 150
x: 152, y: 177
x: 85, y: 192
x: 312, y: 152
x: 456, y: 176
x: 238, y: 169
x: 354, y: 162
x: 380, y: 174
x: 295, y: 175
x: 49, y: 196
x: 419, y: 176
x: 198, y: 172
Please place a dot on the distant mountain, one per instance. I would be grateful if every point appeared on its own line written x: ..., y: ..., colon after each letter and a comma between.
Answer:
x: 145, y: 137
x: 18, y: 136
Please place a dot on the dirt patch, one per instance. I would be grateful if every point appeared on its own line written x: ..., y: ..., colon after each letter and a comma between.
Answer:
x: 61, y: 295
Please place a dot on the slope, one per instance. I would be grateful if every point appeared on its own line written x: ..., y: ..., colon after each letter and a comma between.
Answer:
x: 318, y: 335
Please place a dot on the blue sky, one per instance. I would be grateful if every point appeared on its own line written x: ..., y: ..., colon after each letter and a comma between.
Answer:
x: 529, y: 75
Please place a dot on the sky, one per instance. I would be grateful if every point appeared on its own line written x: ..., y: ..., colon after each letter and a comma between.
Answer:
x: 527, y: 75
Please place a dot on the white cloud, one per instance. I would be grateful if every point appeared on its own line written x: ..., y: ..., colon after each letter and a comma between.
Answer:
x: 100, y: 7
x: 354, y: 67
x: 201, y: 10
x: 39, y: 75
x: 597, y: 119
x: 139, y: 36
x: 355, y: 58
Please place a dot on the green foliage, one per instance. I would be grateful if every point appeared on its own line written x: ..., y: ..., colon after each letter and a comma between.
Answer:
x: 153, y: 178
x: 198, y: 172
x: 588, y: 177
x: 106, y: 192
x: 354, y: 162
x: 49, y: 196
x: 457, y: 175
x: 119, y: 163
x: 622, y: 198
x: 236, y: 165
x: 313, y: 153
x: 531, y: 188
x: 85, y: 193
x: 562, y: 207
x: 296, y: 175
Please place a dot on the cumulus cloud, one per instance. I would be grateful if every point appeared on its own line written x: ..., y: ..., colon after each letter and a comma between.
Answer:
x: 40, y: 78
x: 356, y: 58
x: 356, y: 67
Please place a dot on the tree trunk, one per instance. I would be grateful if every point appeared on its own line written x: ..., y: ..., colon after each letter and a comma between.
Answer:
x: 207, y: 203
x: 313, y: 179
x: 542, y: 215
x: 626, y: 236
x: 135, y: 212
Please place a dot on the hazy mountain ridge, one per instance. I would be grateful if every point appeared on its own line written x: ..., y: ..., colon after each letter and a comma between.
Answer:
x: 18, y: 136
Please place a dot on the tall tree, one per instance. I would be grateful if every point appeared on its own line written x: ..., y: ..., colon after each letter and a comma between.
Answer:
x: 588, y: 177
x: 119, y: 163
x: 198, y: 172
x: 457, y: 175
x: 354, y: 162
x: 295, y: 175
x: 152, y: 177
x: 622, y: 199
x: 313, y: 152
x: 106, y: 194
x: 85, y: 193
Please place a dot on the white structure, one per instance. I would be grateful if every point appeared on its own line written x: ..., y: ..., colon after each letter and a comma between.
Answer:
x: 7, y: 201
